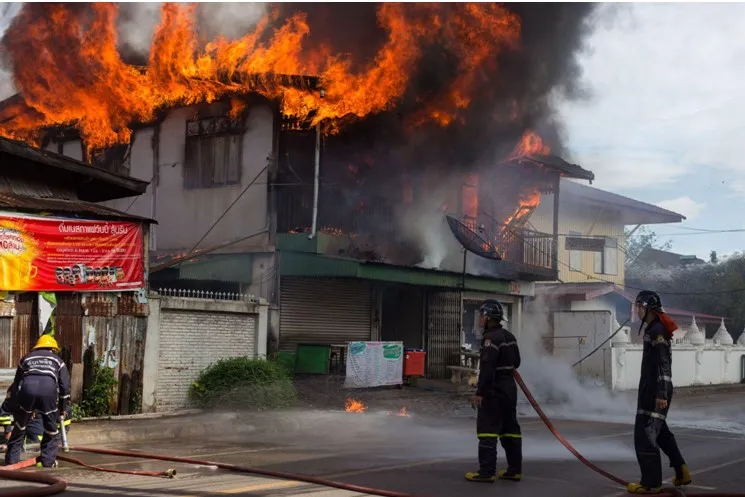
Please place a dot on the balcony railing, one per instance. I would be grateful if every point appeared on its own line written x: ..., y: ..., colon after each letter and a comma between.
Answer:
x: 339, y: 213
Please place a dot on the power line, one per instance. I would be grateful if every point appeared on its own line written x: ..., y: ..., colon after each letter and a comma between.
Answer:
x: 228, y: 209
x: 593, y: 277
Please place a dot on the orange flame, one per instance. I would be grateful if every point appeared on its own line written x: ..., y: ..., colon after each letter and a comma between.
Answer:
x: 78, y: 77
x: 530, y: 144
x: 403, y: 412
x: 352, y: 405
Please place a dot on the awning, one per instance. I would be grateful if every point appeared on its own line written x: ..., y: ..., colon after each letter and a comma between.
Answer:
x: 315, y: 265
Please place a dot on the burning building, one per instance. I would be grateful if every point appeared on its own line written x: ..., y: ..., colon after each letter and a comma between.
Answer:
x: 281, y: 165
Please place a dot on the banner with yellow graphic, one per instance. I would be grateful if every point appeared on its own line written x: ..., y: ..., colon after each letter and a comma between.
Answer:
x: 58, y: 254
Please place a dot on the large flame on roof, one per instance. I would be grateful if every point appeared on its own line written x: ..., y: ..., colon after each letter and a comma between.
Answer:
x: 68, y: 71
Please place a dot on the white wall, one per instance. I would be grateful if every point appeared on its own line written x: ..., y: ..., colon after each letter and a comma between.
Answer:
x: 707, y: 365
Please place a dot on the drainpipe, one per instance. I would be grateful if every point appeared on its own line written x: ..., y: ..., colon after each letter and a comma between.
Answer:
x: 315, y: 182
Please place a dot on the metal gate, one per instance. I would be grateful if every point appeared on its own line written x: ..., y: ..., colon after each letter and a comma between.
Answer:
x: 444, y: 321
x: 68, y: 324
x: 25, y: 325
x: 6, y: 341
x: 323, y: 311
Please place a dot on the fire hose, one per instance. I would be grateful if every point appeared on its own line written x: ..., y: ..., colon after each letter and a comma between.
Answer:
x: 57, y: 485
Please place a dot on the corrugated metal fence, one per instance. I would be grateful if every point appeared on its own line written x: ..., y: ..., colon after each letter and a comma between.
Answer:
x: 114, y: 334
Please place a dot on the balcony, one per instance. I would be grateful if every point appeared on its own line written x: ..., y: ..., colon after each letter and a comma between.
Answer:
x: 526, y: 255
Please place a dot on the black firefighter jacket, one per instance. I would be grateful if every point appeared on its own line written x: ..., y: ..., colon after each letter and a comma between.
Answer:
x: 656, y: 375
x: 500, y: 357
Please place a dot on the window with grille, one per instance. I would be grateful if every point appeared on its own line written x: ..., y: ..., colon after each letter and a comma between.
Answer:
x: 213, y: 153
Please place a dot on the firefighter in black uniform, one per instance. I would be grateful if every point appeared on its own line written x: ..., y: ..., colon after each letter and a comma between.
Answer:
x: 496, y: 399
x: 42, y: 383
x: 651, y: 433
x: 6, y: 417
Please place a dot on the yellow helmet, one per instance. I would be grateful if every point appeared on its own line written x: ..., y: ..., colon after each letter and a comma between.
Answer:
x: 46, y: 342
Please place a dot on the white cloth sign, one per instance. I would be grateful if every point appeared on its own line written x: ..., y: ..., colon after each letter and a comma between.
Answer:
x: 374, y: 364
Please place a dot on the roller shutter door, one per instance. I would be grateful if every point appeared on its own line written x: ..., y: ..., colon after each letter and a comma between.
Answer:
x: 323, y: 311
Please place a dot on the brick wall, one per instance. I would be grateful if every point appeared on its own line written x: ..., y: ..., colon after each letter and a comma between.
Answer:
x: 190, y: 334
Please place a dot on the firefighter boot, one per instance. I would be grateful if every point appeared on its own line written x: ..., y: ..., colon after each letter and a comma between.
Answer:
x: 637, y: 488
x: 40, y: 465
x: 475, y: 476
x: 682, y: 476
x: 506, y: 474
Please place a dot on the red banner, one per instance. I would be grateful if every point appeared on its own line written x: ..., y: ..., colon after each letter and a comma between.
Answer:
x: 56, y: 254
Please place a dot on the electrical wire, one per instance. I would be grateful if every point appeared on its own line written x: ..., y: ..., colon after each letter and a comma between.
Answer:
x: 249, y: 185
x: 622, y: 285
x: 603, y: 343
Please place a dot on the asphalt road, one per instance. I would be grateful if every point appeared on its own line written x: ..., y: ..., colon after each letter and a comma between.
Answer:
x: 422, y: 456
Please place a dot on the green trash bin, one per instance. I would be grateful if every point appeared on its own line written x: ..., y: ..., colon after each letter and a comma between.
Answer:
x: 312, y: 359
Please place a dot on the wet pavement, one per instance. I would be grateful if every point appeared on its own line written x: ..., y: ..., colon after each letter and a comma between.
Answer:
x: 426, y: 456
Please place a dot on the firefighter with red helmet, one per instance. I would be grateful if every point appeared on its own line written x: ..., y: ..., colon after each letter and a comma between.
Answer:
x: 496, y: 399
x: 651, y: 432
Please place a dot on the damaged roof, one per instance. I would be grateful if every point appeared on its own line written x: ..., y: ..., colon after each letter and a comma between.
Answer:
x: 564, y: 168
x: 25, y: 203
x: 92, y: 183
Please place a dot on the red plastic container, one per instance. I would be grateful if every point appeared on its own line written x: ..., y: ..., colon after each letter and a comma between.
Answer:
x: 414, y: 361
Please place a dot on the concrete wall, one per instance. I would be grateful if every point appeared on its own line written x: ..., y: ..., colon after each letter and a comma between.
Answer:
x: 185, y: 335
x: 706, y: 365
x: 587, y: 222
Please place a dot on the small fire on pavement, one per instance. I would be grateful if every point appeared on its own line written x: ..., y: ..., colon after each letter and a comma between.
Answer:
x: 352, y: 405
x: 403, y: 412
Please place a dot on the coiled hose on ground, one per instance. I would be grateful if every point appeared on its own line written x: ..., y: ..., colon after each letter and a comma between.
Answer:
x: 57, y: 485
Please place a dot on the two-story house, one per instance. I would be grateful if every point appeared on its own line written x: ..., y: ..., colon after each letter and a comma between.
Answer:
x: 591, y: 255
x: 344, y: 251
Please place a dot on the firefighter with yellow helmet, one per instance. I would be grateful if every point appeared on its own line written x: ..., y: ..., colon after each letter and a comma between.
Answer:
x: 42, y: 383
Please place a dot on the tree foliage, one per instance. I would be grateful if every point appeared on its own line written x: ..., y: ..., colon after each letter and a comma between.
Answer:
x: 711, y: 288
x: 641, y: 239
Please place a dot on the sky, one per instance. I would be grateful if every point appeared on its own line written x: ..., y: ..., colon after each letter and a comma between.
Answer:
x: 665, y: 116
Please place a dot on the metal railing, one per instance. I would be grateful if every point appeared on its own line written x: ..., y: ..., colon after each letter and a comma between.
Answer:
x: 341, y: 213
x: 200, y: 294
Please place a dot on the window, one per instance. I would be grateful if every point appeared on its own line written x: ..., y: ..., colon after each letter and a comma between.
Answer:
x: 213, y: 153
x: 575, y: 256
x: 606, y: 262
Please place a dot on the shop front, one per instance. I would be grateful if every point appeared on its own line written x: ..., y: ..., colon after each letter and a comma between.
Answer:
x: 56, y: 269
x: 331, y: 301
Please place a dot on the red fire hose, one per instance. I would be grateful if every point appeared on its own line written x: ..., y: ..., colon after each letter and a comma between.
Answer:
x: 670, y: 492
x: 57, y: 485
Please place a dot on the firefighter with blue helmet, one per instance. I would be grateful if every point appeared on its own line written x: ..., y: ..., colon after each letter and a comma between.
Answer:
x: 42, y: 383
x: 496, y: 398
x: 651, y: 432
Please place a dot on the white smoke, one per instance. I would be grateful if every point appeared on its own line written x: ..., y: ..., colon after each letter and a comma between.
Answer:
x: 137, y: 22
x: 423, y: 223
x: 553, y: 381
x: 7, y: 12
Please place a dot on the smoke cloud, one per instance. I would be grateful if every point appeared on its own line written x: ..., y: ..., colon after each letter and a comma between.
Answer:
x: 553, y: 381
x: 461, y: 106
